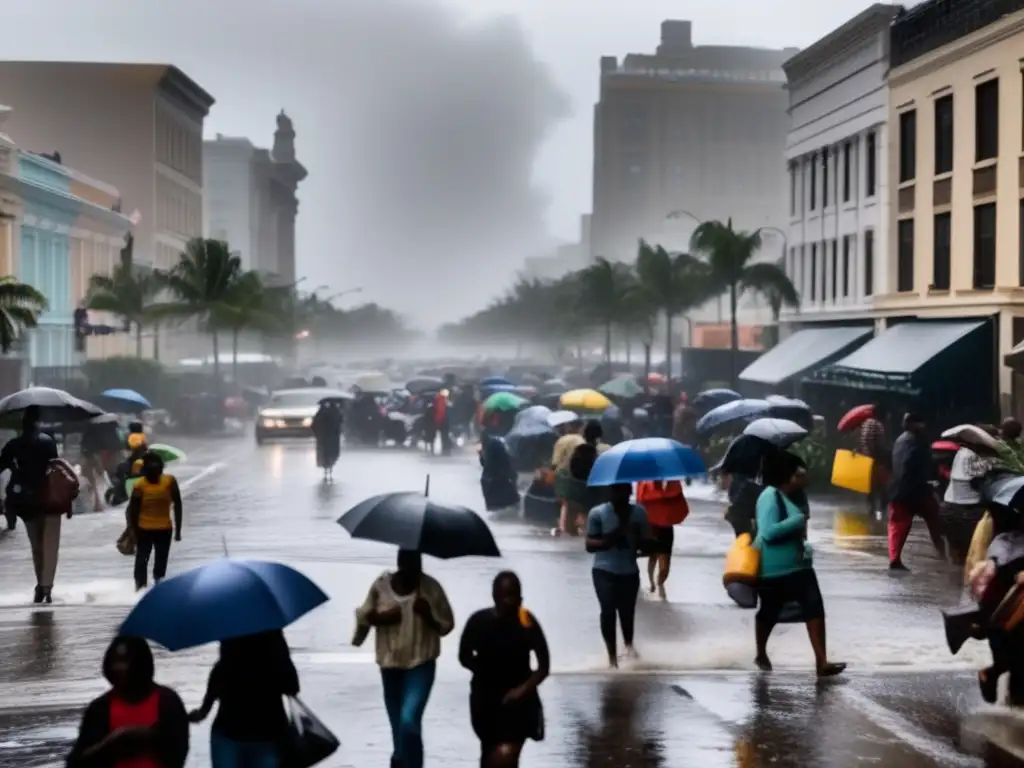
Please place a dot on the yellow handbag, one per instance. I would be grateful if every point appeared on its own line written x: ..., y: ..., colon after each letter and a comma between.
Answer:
x: 852, y: 471
x: 742, y: 562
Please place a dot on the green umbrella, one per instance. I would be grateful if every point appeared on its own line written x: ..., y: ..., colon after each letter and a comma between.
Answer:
x: 626, y: 388
x: 167, y: 452
x: 504, y: 401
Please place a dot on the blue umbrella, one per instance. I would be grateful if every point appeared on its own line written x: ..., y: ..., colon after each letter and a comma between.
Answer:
x: 221, y: 600
x: 730, y: 412
x: 489, y: 382
x: 711, y: 398
x: 128, y: 396
x: 651, y: 458
x: 490, y: 389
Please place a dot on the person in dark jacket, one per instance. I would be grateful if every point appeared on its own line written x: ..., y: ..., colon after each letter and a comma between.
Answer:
x: 250, y: 681
x: 136, y: 722
x: 498, y: 481
x: 328, y: 424
x: 910, y: 491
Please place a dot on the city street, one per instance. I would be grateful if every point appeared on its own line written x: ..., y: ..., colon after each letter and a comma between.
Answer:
x: 692, y: 700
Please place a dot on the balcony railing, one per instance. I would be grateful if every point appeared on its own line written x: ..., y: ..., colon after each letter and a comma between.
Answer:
x: 936, y: 23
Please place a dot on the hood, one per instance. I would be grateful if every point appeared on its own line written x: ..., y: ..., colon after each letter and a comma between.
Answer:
x: 294, y: 412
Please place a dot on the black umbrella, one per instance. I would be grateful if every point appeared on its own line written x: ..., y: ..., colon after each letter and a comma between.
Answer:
x: 56, y: 405
x: 413, y: 521
x: 422, y: 384
x: 744, y: 456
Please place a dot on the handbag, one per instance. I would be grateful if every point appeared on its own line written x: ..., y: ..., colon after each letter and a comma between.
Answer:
x: 126, y: 542
x: 307, y: 740
x: 852, y: 471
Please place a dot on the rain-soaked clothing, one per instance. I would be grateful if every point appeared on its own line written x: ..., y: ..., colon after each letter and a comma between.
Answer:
x: 498, y: 481
x: 327, y: 428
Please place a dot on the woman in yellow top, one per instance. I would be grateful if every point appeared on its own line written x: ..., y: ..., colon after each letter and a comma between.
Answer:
x: 149, y: 516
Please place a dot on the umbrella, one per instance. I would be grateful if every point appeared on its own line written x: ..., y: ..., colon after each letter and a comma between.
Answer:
x: 413, y: 521
x: 554, y: 387
x: 221, y: 600
x: 494, y: 381
x: 374, y: 383
x: 781, y: 433
x: 422, y: 384
x: 535, y: 413
x: 584, y: 400
x: 525, y: 390
x: 945, y: 446
x: 56, y: 405
x: 529, y: 429
x: 712, y: 398
x: 656, y: 378
x: 504, y: 401
x: 1005, y: 489
x: 650, y: 458
x: 558, y: 418
x: 622, y: 387
x: 973, y: 436
x: 855, y: 417
x: 168, y: 452
x: 736, y: 410
x: 744, y: 456
x: 128, y: 397
x: 781, y: 402
x: 490, y: 389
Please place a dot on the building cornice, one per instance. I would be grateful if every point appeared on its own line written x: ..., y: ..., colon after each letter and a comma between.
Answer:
x: 65, y: 203
x: 184, y: 89
x: 966, y: 46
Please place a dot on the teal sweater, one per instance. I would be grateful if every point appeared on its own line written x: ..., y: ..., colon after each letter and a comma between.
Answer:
x: 782, y: 544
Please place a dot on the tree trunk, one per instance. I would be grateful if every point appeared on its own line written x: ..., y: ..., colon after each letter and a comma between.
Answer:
x: 734, y: 333
x: 668, y: 347
x: 629, y: 350
x: 234, y: 356
x: 647, y: 364
x: 138, y: 340
x: 608, y: 345
x: 156, y: 342
x: 216, y: 361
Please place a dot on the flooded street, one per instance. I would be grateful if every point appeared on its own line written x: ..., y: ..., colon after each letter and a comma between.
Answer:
x: 693, y: 699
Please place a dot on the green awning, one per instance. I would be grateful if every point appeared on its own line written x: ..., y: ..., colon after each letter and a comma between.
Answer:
x: 804, y: 351
x: 904, y: 349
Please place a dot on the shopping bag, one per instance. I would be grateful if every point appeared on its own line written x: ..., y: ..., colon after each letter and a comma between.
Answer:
x: 308, y: 741
x: 742, y: 562
x: 852, y: 471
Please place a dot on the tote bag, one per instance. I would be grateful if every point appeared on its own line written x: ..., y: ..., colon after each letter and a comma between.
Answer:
x: 308, y: 741
x: 852, y: 471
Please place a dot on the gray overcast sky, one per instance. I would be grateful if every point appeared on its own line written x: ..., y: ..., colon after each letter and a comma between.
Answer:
x: 446, y: 140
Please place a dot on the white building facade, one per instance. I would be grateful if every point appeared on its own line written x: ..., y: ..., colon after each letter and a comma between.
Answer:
x: 838, y: 182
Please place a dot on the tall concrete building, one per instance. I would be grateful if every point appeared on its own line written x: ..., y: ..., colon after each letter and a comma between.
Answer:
x: 697, y: 130
x: 250, y: 199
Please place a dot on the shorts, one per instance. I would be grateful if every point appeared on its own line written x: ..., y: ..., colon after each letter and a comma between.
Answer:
x: 800, y: 587
x: 664, y: 537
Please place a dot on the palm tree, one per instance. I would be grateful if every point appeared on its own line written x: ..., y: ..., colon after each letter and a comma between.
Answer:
x: 203, y: 284
x: 604, y: 290
x: 673, y: 284
x: 638, y: 317
x: 729, y: 255
x: 20, y: 307
x: 129, y: 293
x: 247, y: 307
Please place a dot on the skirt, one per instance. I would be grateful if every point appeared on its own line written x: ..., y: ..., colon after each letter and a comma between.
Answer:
x: 495, y: 722
x: 664, y: 537
x: 780, y: 593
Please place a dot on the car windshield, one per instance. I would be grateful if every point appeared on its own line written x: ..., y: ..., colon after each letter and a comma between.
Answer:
x: 295, y: 399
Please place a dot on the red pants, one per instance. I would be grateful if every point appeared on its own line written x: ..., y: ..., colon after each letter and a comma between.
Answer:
x: 901, y: 518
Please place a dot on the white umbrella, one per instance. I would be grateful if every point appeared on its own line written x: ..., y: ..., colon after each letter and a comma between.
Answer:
x: 779, y: 432
x: 558, y: 418
x: 972, y: 435
x: 374, y: 382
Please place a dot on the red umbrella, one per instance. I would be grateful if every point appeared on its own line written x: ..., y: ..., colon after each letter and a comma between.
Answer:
x: 855, y: 417
x: 945, y: 446
x: 656, y: 378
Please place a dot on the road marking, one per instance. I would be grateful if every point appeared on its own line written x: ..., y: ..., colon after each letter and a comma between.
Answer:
x: 216, y: 467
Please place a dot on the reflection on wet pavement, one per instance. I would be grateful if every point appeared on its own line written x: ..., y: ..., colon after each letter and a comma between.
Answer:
x: 692, y: 700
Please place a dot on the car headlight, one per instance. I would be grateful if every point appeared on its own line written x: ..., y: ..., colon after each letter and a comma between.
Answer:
x: 307, y: 422
x: 272, y: 423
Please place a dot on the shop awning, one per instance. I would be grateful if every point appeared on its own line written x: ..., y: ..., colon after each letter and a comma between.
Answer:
x: 804, y: 351
x: 904, y: 349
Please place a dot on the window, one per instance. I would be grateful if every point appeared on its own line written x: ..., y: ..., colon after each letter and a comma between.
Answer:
x: 847, y: 152
x: 944, y: 135
x: 871, y: 164
x: 908, y: 145
x: 814, y: 272
x: 986, y: 120
x: 824, y: 177
x: 941, y: 254
x: 1020, y: 225
x: 985, y: 246
x: 869, y: 262
x: 814, y: 180
x: 835, y: 270
x: 792, y: 189
x: 905, y: 255
x: 846, y: 266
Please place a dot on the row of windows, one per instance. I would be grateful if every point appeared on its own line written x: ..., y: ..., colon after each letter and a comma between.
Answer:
x: 808, y: 268
x: 44, y: 265
x: 839, y: 166
x: 986, y: 131
x: 179, y: 146
x: 984, y: 257
x: 178, y: 209
x: 92, y: 258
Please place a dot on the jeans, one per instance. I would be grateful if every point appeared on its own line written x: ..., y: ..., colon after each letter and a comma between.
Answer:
x: 406, y: 692
x: 159, y: 544
x: 616, y: 594
x: 227, y: 753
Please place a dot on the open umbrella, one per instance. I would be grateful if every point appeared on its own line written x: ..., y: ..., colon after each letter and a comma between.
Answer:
x: 737, y: 410
x: 781, y: 433
x: 554, y: 387
x: 974, y: 437
x: 490, y: 389
x: 535, y: 413
x: 744, y: 456
x: 56, y: 405
x: 413, y: 521
x: 504, y: 401
x: 129, y: 398
x: 422, y: 384
x: 584, y: 400
x: 855, y: 417
x: 494, y: 381
x: 559, y: 418
x: 168, y: 452
x: 945, y: 446
x: 221, y: 600
x: 650, y: 458
x: 374, y: 383
x: 621, y: 387
x: 712, y: 398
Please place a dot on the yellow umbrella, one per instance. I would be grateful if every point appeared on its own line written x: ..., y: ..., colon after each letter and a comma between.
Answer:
x: 584, y: 400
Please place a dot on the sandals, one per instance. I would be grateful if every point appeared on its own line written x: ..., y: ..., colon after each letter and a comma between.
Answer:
x: 831, y: 669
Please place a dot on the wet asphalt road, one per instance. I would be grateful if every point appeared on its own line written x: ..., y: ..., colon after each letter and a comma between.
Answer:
x: 693, y: 699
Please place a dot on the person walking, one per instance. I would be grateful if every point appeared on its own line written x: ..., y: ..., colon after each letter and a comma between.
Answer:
x: 571, y: 438
x: 149, y: 518
x: 666, y: 507
x: 616, y: 532
x: 496, y: 646
x: 28, y: 458
x: 910, y: 492
x: 442, y: 421
x: 249, y: 681
x: 137, y: 722
x: 872, y: 443
x: 787, y: 571
x: 327, y: 427
x: 410, y: 613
